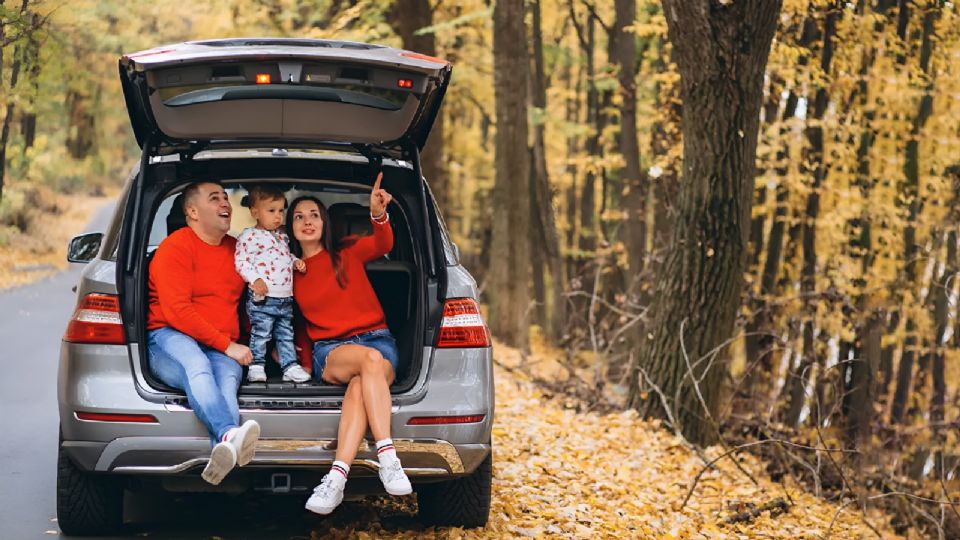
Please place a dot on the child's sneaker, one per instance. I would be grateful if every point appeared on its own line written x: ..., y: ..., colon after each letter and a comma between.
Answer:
x: 394, y: 480
x: 296, y: 374
x: 328, y: 495
x: 256, y: 373
x: 244, y: 441
x: 222, y: 460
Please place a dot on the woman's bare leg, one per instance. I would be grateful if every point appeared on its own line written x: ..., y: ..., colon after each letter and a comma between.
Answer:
x: 347, y: 362
x: 353, y: 422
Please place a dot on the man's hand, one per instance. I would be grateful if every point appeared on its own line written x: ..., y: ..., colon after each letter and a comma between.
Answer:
x: 259, y: 287
x: 379, y: 198
x: 240, y: 353
x: 300, y: 266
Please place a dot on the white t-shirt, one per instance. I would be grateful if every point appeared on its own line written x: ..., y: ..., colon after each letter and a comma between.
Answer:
x: 263, y: 254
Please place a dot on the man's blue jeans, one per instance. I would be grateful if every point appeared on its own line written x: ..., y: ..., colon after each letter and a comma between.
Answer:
x: 209, y: 377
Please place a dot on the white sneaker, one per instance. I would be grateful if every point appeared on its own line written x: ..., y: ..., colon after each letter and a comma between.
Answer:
x: 296, y: 374
x: 394, y: 480
x: 222, y: 460
x: 328, y: 495
x: 256, y: 373
x: 244, y: 441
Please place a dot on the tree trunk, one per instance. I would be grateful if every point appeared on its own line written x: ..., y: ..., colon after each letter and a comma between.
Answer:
x: 28, y: 118
x: 408, y: 16
x: 510, y: 253
x: 11, y: 103
x: 633, y: 179
x: 665, y: 135
x: 721, y: 52
x: 911, y: 192
x: 546, y: 240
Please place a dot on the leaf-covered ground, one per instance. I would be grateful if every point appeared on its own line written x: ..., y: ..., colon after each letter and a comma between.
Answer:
x: 563, y: 474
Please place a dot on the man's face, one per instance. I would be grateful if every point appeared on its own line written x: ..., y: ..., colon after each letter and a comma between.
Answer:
x: 268, y: 213
x: 210, y: 210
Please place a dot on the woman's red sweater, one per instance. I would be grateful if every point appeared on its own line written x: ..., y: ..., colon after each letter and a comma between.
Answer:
x: 331, y: 312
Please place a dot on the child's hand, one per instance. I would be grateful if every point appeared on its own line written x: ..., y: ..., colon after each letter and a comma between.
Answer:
x: 259, y: 287
x: 300, y: 266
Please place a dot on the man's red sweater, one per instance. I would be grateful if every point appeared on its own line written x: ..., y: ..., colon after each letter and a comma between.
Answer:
x: 331, y: 312
x: 194, y: 288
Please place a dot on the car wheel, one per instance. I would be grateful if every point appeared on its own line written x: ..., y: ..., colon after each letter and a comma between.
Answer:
x: 87, y: 504
x: 464, y: 502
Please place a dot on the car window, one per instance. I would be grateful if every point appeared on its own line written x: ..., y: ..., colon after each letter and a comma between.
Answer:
x: 241, y: 218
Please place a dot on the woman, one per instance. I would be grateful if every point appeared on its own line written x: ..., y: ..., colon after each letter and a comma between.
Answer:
x: 348, y: 336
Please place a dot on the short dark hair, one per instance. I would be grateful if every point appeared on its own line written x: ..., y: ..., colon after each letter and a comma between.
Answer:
x: 264, y: 192
x: 192, y: 190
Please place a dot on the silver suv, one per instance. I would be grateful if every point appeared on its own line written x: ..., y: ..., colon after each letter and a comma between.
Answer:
x: 313, y: 116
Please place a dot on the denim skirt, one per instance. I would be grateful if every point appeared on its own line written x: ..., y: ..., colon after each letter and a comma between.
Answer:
x: 381, y: 340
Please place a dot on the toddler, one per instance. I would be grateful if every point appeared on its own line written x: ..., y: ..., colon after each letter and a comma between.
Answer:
x: 264, y: 261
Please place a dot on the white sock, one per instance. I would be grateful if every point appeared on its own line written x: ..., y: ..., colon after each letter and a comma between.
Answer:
x: 385, y: 450
x: 340, y: 470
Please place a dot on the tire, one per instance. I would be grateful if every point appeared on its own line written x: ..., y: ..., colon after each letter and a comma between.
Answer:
x: 464, y: 502
x: 87, y: 504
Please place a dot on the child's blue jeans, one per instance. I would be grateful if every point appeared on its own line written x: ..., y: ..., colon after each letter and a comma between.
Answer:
x: 272, y: 319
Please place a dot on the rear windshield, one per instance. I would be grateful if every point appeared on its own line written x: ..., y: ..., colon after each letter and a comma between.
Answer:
x: 356, y: 85
x: 348, y: 208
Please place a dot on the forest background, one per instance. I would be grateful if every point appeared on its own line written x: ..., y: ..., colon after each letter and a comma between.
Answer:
x: 840, y: 364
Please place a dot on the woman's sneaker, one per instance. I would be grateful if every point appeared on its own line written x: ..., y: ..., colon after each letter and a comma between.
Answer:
x: 256, y: 373
x: 244, y: 441
x: 222, y: 460
x: 328, y: 495
x: 394, y: 480
x: 296, y: 374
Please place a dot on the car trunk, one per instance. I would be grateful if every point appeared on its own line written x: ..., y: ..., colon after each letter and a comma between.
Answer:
x: 406, y: 282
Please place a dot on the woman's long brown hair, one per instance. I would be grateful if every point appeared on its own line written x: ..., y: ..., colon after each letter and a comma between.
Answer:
x: 330, y: 245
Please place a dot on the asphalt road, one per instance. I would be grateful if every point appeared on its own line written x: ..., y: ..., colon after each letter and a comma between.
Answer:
x: 32, y: 320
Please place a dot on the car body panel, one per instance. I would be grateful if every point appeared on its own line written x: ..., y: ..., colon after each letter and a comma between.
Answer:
x: 318, y: 90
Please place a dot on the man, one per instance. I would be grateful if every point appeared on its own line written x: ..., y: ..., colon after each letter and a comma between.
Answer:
x: 192, y: 325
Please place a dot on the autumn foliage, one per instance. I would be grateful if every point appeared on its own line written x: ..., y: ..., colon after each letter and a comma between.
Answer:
x: 843, y: 335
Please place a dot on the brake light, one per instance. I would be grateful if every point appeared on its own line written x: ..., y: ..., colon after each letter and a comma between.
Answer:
x: 263, y: 78
x: 96, y: 320
x: 462, y: 326
x: 424, y: 57
x: 438, y: 420
x: 110, y: 417
x: 405, y: 83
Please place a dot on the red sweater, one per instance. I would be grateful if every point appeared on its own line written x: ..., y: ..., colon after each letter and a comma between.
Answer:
x: 331, y: 312
x: 194, y: 288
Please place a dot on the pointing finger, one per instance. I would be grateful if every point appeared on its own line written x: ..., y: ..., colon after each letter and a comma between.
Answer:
x: 376, y: 185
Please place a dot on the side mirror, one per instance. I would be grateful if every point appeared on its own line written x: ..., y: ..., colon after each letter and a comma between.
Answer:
x: 84, y: 248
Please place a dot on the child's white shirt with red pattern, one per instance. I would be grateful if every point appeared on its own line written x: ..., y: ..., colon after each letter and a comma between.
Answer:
x: 263, y: 254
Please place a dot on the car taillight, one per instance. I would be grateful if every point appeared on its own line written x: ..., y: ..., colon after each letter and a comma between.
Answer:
x: 441, y: 420
x: 96, y: 320
x: 462, y: 326
x: 111, y: 417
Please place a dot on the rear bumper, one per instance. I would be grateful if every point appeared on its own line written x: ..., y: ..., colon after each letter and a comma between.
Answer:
x: 171, y: 456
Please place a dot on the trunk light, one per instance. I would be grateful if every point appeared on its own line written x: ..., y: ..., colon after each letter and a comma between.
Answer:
x: 110, y: 417
x: 405, y: 83
x: 96, y: 320
x: 263, y: 78
x: 462, y: 326
x: 438, y: 420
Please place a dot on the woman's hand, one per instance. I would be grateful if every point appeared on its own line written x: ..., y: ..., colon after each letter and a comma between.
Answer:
x: 379, y: 198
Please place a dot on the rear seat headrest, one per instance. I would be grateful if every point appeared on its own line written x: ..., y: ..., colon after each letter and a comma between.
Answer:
x: 176, y: 219
x: 348, y: 218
